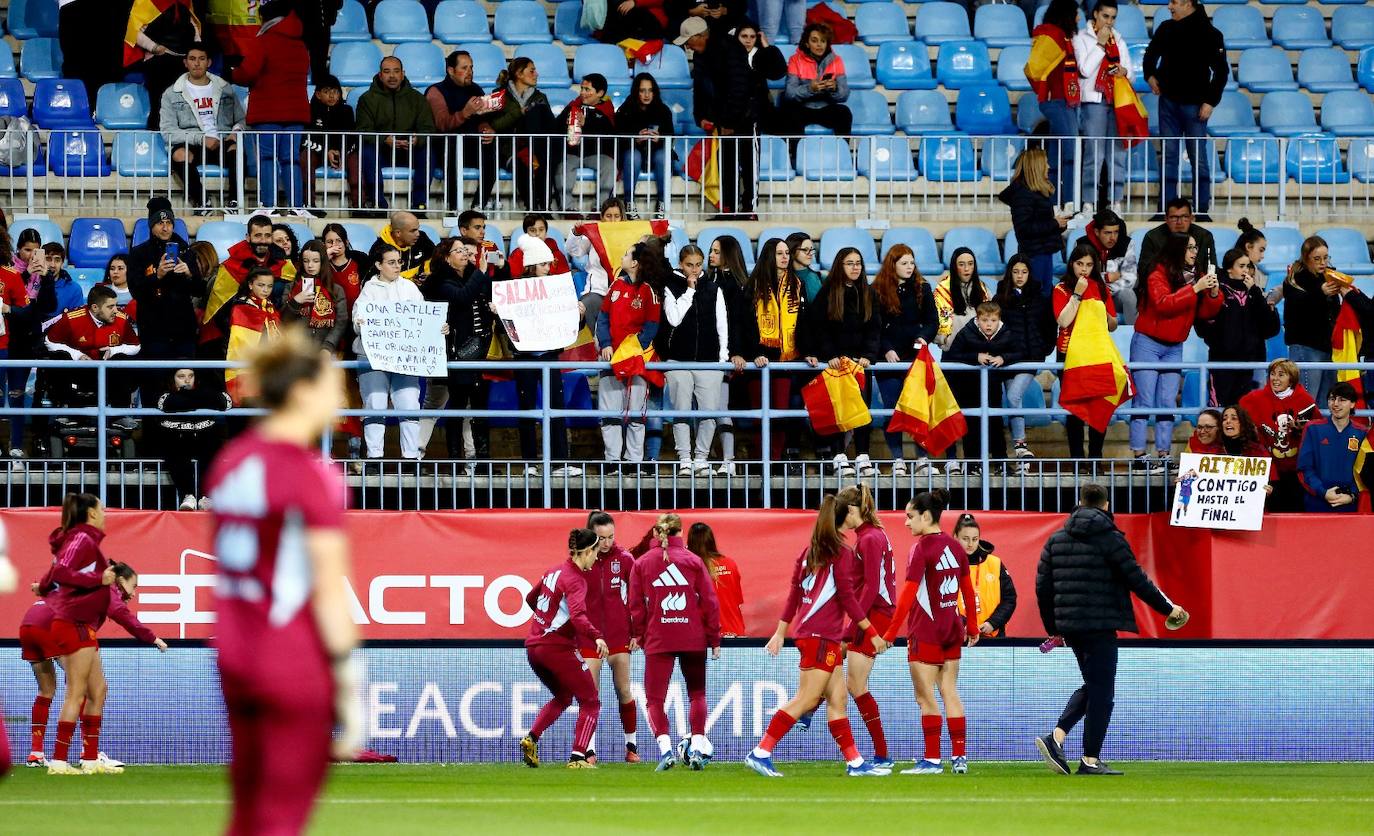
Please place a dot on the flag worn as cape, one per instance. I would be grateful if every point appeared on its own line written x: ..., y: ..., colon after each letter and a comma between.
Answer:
x: 143, y: 13
x: 926, y: 409
x: 1095, y: 380
x: 1132, y: 121
x: 629, y: 359
x: 1045, y: 55
x: 250, y: 323
x: 703, y: 166
x: 1346, y: 340
x: 1364, y: 470
x: 232, y: 271
x: 609, y: 243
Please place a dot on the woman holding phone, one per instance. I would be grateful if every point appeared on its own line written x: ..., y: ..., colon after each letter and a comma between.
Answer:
x: 647, y: 123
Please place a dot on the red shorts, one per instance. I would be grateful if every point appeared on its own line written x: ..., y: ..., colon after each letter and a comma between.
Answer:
x: 68, y: 637
x: 590, y: 652
x: 36, y: 644
x: 933, y: 654
x: 820, y: 654
x: 860, y: 644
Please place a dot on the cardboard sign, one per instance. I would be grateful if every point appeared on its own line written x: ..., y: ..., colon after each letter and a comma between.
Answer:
x: 539, y: 314
x: 1221, y: 492
x: 404, y: 337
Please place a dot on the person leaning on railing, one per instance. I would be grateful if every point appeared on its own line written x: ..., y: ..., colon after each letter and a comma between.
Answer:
x: 1082, y: 280
x: 695, y: 329
x: 1030, y: 328
x: 647, y: 125
x: 1240, y: 330
x: 632, y: 312
x: 1327, y: 455
x: 585, y: 120
x: 909, y: 323
x: 1282, y: 409
x: 817, y: 87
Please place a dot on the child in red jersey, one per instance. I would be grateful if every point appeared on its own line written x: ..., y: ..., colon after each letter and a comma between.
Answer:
x: 559, y: 626
x: 674, y: 616
x: 701, y: 541
x: 822, y: 590
x: 937, y: 574
x: 608, y: 589
x: 876, y: 591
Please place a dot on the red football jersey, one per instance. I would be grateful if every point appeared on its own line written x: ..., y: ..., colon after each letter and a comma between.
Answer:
x: 823, y: 598
x: 875, y: 577
x: 79, y: 330
x: 937, y: 565
x: 730, y: 594
x: 14, y: 293
x: 559, y: 602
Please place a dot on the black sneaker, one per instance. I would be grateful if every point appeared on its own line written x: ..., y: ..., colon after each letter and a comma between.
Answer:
x: 1098, y: 768
x: 1052, y: 753
x: 1202, y: 218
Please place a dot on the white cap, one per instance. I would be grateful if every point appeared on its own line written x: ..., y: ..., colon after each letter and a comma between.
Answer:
x: 534, y: 250
x: 691, y: 27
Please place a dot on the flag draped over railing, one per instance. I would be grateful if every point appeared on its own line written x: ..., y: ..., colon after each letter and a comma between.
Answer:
x: 926, y: 409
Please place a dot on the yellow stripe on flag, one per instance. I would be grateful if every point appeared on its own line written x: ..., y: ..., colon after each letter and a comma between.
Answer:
x: 1095, y: 380
x: 926, y: 409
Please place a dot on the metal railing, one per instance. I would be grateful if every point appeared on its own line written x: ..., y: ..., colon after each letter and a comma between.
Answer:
x: 765, y: 482
x: 872, y: 179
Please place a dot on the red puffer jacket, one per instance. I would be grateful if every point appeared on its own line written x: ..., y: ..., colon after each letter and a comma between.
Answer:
x: 275, y: 70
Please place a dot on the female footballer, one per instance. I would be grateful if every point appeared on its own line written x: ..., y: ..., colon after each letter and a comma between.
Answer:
x: 608, y: 587
x: 875, y: 589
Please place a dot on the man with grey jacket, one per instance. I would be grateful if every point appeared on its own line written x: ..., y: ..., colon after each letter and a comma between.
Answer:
x: 200, y: 113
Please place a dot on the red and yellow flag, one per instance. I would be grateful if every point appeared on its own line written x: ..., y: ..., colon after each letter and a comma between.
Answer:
x: 926, y: 409
x: 834, y: 400
x: 583, y: 349
x: 1364, y: 470
x: 630, y: 358
x: 640, y: 50
x: 1132, y: 121
x: 1095, y: 380
x: 250, y: 323
x: 145, y: 12
x: 610, y: 241
x: 703, y: 166
x: 1045, y: 55
x: 1346, y: 340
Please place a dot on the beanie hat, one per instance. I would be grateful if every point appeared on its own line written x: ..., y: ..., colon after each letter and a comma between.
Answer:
x: 159, y: 210
x: 534, y: 250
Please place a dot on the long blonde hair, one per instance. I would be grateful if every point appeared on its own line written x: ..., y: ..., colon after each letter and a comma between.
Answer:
x: 667, y: 525
x: 1033, y: 169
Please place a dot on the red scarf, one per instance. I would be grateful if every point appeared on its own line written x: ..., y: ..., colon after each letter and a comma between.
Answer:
x: 1106, y: 83
x: 322, y: 313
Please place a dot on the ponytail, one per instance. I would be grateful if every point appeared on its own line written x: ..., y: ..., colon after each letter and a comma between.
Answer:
x: 826, y: 540
x: 76, y: 509
x: 580, y: 539
x: 701, y: 541
x: 667, y: 525
x: 932, y: 502
x: 868, y: 507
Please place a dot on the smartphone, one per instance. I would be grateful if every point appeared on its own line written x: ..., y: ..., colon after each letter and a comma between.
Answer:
x: 173, y: 251
x: 493, y: 256
x: 307, y: 284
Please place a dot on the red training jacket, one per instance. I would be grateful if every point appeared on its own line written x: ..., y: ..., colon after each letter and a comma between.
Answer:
x: 673, y: 604
x: 77, y: 567
x: 275, y: 69
x: 1168, y: 314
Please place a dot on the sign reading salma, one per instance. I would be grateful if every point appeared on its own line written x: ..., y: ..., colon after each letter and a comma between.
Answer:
x: 1222, y: 492
x: 539, y: 313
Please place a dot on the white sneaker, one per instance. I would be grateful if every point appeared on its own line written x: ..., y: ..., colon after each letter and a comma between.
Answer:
x: 268, y: 211
x: 566, y: 470
x: 684, y: 468
x: 702, y: 467
x: 923, y: 467
x: 864, y: 466
x: 842, y: 465
x: 532, y: 471
x: 188, y: 504
x: 302, y: 212
x: 1023, y: 451
x: 109, y: 760
x: 204, y: 503
x: 898, y: 468
x: 726, y: 468
x: 17, y: 458
x: 954, y: 468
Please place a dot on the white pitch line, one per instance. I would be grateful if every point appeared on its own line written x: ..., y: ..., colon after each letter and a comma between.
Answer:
x: 716, y: 800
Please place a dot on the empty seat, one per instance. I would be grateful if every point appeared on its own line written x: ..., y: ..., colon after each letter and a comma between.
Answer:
x: 669, y: 68
x: 424, y: 63
x: 1003, y: 25
x: 141, y: 231
x: 1241, y: 27
x: 400, y: 21
x: 225, y: 234
x: 607, y: 59
x: 887, y: 159
x: 1362, y: 160
x: 1130, y: 24
x: 879, y: 23
x: 905, y: 66
x: 567, y: 25
x: 32, y: 19
x: 355, y: 63
x: 1315, y: 159
x: 1364, y: 69
x: 121, y: 105
x: 1352, y: 27
x: 1011, y: 67
x: 94, y: 240
x: 679, y: 103
x: 923, y: 112
x: 1287, y: 114
x: 999, y: 156
x: 836, y: 238
x: 12, y: 101
x: 1233, y: 116
x: 856, y: 66
x: 1300, y: 27
x: 985, y: 249
x: 1348, y: 250
x: 351, y: 24
x: 1142, y: 164
x: 825, y: 158
x: 521, y: 22
x: 7, y: 68
x: 941, y: 21
x: 922, y: 245
x: 984, y: 110
x: 963, y: 63
x: 77, y: 154
x: 1253, y: 159
x: 40, y: 58
x: 707, y: 234
x: 1348, y: 113
x: 487, y: 62
x: 48, y: 232
x: 1137, y: 51
x: 1325, y: 71
x: 775, y: 163
x: 141, y: 154
x: 1285, y: 242
x: 948, y: 159
x: 1265, y: 70
x: 782, y: 232
x: 461, y: 22
x: 871, y: 117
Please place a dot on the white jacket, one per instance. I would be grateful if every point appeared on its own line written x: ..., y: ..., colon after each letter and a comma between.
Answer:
x: 379, y: 290
x: 1090, y: 54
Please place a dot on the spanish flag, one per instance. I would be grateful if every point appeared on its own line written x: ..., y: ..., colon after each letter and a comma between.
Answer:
x: 1046, y: 54
x: 250, y: 322
x: 703, y: 166
x: 1364, y: 471
x: 1132, y: 121
x: 610, y: 241
x: 143, y: 13
x: 926, y: 409
x: 229, y: 281
x: 630, y: 358
x: 641, y: 51
x: 1346, y: 340
x: 583, y: 348
x: 1095, y: 380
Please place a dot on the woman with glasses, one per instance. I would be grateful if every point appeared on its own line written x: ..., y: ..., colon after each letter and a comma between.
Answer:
x: 1282, y: 409
x: 803, y: 264
x: 1205, y: 438
x: 1309, y: 315
x: 1240, y: 329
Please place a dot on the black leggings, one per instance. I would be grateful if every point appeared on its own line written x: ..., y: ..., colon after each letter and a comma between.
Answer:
x: 1074, y: 426
x: 1096, y: 655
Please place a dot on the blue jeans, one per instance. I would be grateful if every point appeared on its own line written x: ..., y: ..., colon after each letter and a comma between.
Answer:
x: 632, y: 163
x: 1042, y: 270
x: 1317, y: 382
x: 772, y: 14
x: 1016, y: 393
x: 1063, y: 123
x: 15, y: 382
x: 1154, y: 389
x: 1181, y: 120
x: 277, y: 150
x: 1097, y: 124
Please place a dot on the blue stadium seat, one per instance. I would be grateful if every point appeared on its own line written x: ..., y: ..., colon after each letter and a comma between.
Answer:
x: 1265, y: 70
x: 985, y: 249
x: 879, y: 23
x: 1130, y: 24
x: 1284, y: 244
x: 521, y: 22
x: 679, y: 102
x: 669, y: 68
x: 1362, y: 160
x: 48, y: 232
x: 424, y: 63
x: 922, y: 245
x: 41, y: 58
x: 29, y: 19
x: 905, y: 66
x: 400, y: 22
x: 984, y: 110
x: 1233, y: 116
x: 141, y: 231
x: 924, y: 112
x: 782, y: 232
x: 607, y: 59
x: 1241, y: 27
x: 225, y: 234
x: 12, y: 101
x: 1300, y: 27
x: 1348, y: 113
x: 948, y: 159
x: 1185, y: 169
x: 871, y: 118
x: 707, y: 234
x: 351, y: 24
x: 1325, y: 71
x: 941, y: 21
x: 1224, y: 237
x: 567, y: 25
x: 355, y: 63
x: 354, y: 95
x: 1011, y: 67
x: 551, y: 62
x: 86, y: 277
x: 121, y: 104
x: 461, y: 22
x: 836, y: 238
x: 1002, y: 25
x: 775, y: 163
x: 77, y: 154
x: 1352, y: 27
x: 1028, y: 114
x: 362, y: 236
x: 7, y: 68
x: 1315, y: 159
x: 1287, y: 114
x: 94, y: 240
x: 1142, y: 164
x: 856, y: 66
x: 1137, y: 50
x: 141, y: 154
x: 487, y: 62
x: 963, y: 63
x: 887, y: 159
x: 787, y: 50
x: 825, y: 158
x: 1253, y: 159
x: 1348, y: 250
x: 999, y: 156
x: 1364, y: 69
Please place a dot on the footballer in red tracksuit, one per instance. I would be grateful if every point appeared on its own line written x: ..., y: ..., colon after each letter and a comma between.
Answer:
x: 608, y: 585
x: 674, y: 615
x: 875, y: 589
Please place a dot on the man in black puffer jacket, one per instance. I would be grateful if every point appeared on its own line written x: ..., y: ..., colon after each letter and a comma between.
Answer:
x: 1083, y: 587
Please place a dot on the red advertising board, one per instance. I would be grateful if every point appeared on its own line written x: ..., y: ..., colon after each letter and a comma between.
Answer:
x: 463, y: 574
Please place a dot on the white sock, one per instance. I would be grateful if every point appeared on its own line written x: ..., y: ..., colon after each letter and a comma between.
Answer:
x: 932, y: 760
x: 701, y: 745
x: 760, y: 752
x: 856, y: 762
x: 665, y: 744
x: 630, y: 739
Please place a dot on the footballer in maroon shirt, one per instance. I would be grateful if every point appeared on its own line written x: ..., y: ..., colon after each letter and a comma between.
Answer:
x: 608, y: 586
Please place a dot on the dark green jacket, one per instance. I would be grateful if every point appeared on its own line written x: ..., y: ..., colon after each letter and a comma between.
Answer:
x: 402, y: 111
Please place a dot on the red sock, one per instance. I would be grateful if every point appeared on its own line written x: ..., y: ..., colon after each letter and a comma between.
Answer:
x: 957, y: 729
x: 65, y: 732
x: 90, y: 736
x: 778, y: 728
x: 930, y: 725
x: 629, y: 717
x: 844, y: 735
x: 38, y: 722
x: 868, y: 711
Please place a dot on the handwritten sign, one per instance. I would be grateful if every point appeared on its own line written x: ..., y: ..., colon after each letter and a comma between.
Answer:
x: 404, y: 337
x: 539, y: 314
x: 1222, y: 492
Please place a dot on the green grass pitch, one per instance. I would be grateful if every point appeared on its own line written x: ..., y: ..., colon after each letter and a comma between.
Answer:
x: 725, y: 799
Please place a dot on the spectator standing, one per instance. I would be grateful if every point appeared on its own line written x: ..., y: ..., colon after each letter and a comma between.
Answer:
x: 1326, y: 457
x: 695, y: 329
x: 909, y: 322
x: 377, y: 386
x: 1178, y: 220
x: 1083, y: 586
x: 403, y: 234
x: 189, y: 444
x: 20, y: 338
x: 1030, y: 196
x: 803, y: 264
x: 1309, y: 315
x: 1253, y: 243
x: 701, y: 541
x: 782, y: 19
x: 1282, y: 409
x: 1106, y: 234
x: 642, y: 20
x: 345, y: 263
x: 332, y: 117
x: 525, y: 113
x: 538, y: 261
x: 1206, y: 437
x: 164, y: 284
x: 772, y: 334
x: 585, y: 120
x: 1186, y: 67
x: 958, y: 295
x: 725, y: 264
x: 455, y: 279
x: 456, y: 103
x: 985, y: 341
x: 1239, y: 331
x: 536, y: 224
x: 276, y: 67
x: 58, y: 293
x: 1082, y: 280
x: 647, y: 124
x: 1102, y: 56
x: 398, y: 117
x: 631, y: 312
x: 198, y: 117
x: 580, y: 248
x: 1053, y: 74
x: 817, y: 87
x: 720, y: 15
x: 1030, y: 331
x: 1240, y: 437
x: 316, y: 300
x: 155, y: 43
x: 992, y: 584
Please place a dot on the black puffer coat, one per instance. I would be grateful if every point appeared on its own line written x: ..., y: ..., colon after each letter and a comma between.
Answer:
x: 1032, y: 218
x: 1027, y: 318
x: 1086, y: 576
x: 1242, y: 326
